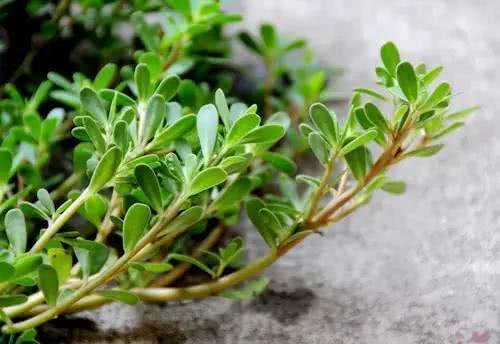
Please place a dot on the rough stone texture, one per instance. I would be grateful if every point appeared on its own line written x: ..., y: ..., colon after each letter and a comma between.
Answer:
x: 421, y: 268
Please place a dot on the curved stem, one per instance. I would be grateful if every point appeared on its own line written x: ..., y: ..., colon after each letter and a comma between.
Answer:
x: 165, y: 294
x: 100, y: 278
x: 181, y: 269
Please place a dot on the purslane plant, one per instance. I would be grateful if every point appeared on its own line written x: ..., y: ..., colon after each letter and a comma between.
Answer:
x: 165, y: 174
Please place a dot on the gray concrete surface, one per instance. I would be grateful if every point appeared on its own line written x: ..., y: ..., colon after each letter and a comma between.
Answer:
x: 420, y: 268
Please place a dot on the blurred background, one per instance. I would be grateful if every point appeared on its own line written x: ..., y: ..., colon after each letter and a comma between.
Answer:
x: 423, y: 267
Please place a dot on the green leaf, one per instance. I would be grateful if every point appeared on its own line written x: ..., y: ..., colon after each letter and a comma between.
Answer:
x: 135, y: 225
x: 241, y: 128
x: 5, y: 165
x: 12, y: 300
x: 271, y: 222
x: 280, y: 162
x: 121, y: 98
x: 250, y: 43
x: 394, y: 187
x: 250, y: 289
x: 176, y: 130
x: 325, y: 121
x: 145, y: 31
x: 45, y: 200
x: 390, y: 57
x: 150, y: 186
x: 295, y: 44
x: 91, y: 255
x: 375, y: 116
x: 407, y: 81
x: 268, y: 133
x: 231, y: 252
x: 95, y: 134
x: 48, y: 129
x: 448, y: 130
x: 152, y: 267
x: 119, y: 295
x: 426, y: 151
x: 312, y: 181
x: 440, y: 94
x: 61, y: 261
x: 432, y: 75
x: 357, y: 160
x: 359, y: 141
x: 40, y: 95
x: 371, y: 93
x: 234, y: 164
x: 462, y: 113
x: 81, y: 154
x: 268, y: 35
x: 142, y: 81
x: 15, y: 227
x: 121, y: 136
x: 92, y: 104
x: 184, y: 220
x: 156, y: 112
x: 253, y: 207
x: 48, y: 283
x: 233, y: 194
x: 105, y: 76
x: 192, y: 261
x: 207, y: 179
x: 26, y: 264
x: 168, y: 87
x: 7, y: 272
x: 305, y: 129
x: 27, y: 337
x: 94, y: 209
x: 221, y: 103
x: 106, y: 169
x: 320, y: 147
x: 206, y: 124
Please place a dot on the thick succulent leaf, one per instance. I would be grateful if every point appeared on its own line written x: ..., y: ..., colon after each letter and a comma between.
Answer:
x: 206, y: 124
x: 207, y: 179
x: 135, y: 225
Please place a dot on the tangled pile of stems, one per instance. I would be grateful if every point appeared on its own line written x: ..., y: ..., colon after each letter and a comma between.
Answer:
x: 166, y: 166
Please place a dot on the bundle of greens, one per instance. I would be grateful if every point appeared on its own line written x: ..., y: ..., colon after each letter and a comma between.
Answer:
x: 117, y: 187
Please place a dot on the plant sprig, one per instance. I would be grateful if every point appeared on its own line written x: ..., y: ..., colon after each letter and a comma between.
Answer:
x: 164, y: 165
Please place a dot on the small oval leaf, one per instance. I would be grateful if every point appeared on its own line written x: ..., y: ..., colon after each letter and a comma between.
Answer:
x: 135, y: 225
x: 207, y: 179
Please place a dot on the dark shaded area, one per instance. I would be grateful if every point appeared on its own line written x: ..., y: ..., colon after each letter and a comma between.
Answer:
x: 35, y: 46
x: 286, y: 307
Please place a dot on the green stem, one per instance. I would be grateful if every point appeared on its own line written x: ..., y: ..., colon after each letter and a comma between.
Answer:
x: 323, y: 186
x: 65, y: 186
x: 165, y: 294
x: 99, y: 279
x: 60, y: 221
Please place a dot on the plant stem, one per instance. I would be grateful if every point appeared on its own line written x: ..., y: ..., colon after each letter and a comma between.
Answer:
x: 174, y: 55
x: 268, y: 88
x: 166, y: 294
x: 100, y: 278
x: 385, y: 160
x: 65, y: 186
x: 60, y: 221
x: 107, y: 224
x: 180, y: 269
x: 323, y: 186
